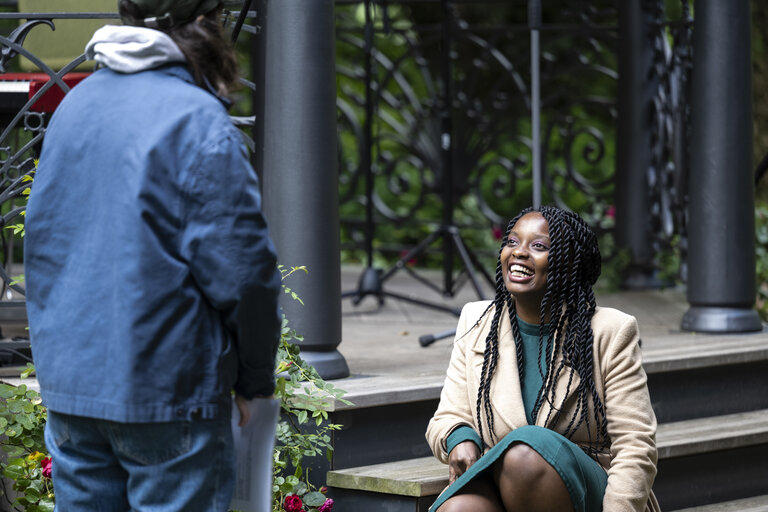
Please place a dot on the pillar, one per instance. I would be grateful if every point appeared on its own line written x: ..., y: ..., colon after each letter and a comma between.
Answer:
x: 721, y: 254
x: 300, y: 169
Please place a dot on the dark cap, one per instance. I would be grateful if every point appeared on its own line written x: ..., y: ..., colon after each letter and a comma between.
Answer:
x: 164, y: 14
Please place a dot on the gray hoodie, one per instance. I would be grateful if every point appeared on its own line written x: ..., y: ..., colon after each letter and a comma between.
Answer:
x: 128, y: 49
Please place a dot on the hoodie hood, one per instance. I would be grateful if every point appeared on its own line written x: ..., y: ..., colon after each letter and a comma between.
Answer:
x: 127, y: 49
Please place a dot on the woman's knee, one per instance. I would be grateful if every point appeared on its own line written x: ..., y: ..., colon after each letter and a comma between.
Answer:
x: 473, y: 502
x: 528, y: 482
x: 479, y: 495
x: 523, y: 464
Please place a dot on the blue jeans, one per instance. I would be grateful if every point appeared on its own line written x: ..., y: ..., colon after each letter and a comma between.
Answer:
x: 105, y: 466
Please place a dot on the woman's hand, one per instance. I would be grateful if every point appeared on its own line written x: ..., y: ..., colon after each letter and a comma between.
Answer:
x: 461, y: 457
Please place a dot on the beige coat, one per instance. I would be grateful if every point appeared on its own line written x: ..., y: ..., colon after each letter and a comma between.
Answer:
x: 620, y: 381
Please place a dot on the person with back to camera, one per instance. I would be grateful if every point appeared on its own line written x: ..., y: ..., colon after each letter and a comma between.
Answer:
x: 152, y: 283
x: 545, y: 405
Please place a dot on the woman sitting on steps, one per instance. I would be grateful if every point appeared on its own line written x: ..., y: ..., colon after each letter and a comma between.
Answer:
x: 545, y: 405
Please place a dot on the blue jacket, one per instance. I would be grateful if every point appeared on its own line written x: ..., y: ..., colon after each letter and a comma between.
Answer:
x: 151, y: 280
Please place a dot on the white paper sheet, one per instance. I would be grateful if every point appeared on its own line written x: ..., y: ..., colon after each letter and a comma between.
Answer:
x: 253, y: 456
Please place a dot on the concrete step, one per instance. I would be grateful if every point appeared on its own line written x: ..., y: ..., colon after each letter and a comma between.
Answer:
x: 693, y: 455
x: 707, y: 375
x: 753, y: 504
x: 720, y: 375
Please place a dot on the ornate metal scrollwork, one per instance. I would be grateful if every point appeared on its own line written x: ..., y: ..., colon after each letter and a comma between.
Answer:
x: 18, y: 36
x: 489, y: 109
x: 672, y: 43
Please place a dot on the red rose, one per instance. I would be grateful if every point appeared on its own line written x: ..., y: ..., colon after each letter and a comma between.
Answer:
x: 46, y: 464
x: 293, y: 503
x: 327, y: 506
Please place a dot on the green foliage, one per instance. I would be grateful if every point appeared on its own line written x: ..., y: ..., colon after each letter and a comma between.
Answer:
x: 492, y: 160
x: 761, y: 253
x: 303, y: 430
x: 22, y: 422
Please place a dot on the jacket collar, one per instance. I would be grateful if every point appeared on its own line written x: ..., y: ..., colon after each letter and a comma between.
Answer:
x: 181, y: 71
x: 506, y: 392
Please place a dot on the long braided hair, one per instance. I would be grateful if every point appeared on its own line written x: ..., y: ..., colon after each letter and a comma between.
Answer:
x: 567, y: 306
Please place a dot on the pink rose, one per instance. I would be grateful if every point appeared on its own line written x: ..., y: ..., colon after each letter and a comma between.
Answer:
x: 293, y: 503
x: 327, y: 506
x: 46, y: 464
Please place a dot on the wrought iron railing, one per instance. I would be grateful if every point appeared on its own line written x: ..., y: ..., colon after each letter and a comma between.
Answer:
x: 23, y: 120
x: 396, y: 60
x: 487, y: 69
x: 672, y: 42
x: 392, y: 70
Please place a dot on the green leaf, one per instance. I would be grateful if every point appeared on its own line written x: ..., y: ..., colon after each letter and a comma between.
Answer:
x: 46, y: 505
x: 29, y: 371
x: 7, y: 391
x: 314, y: 499
x: 14, y: 472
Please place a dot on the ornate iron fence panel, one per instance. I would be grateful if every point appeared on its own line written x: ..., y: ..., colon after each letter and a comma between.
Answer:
x: 29, y: 93
x: 489, y: 79
x: 671, y: 40
x: 487, y: 71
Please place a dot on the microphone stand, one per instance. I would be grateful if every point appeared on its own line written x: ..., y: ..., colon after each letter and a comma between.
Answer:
x: 534, y: 24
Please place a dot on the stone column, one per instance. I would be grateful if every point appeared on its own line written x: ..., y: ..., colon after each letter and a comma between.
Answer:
x: 300, y: 161
x: 721, y: 254
x: 633, y: 143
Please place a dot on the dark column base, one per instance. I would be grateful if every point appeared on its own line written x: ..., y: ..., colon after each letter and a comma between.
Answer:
x: 330, y: 365
x: 724, y: 320
x: 641, y: 279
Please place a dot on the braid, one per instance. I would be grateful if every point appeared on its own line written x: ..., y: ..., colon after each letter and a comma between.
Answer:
x: 491, y: 353
x: 519, y: 352
x: 573, y: 269
x: 567, y: 307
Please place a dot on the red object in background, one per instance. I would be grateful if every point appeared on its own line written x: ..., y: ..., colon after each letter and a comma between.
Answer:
x: 16, y: 84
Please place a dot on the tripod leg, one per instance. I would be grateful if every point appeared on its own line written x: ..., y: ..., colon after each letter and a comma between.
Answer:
x: 426, y: 304
x: 429, y: 339
x: 464, y: 254
x: 481, y: 268
x: 413, y: 252
x: 369, y: 283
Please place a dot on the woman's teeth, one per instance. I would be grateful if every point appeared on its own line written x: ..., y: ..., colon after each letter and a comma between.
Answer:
x: 520, y: 271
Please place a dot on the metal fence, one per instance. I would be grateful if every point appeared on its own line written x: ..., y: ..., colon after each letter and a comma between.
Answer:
x: 31, y: 86
x: 435, y: 119
x: 435, y: 113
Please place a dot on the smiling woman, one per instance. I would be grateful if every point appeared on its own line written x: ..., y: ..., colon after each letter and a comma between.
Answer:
x: 524, y: 261
x: 545, y: 404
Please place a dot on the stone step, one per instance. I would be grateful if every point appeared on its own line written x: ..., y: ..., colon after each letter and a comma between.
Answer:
x: 753, y: 504
x: 412, y: 485
x: 711, y: 375
x: 387, y: 407
x: 666, y: 354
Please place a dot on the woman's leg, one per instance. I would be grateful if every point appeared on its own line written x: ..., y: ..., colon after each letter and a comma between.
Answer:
x: 526, y: 482
x: 479, y: 495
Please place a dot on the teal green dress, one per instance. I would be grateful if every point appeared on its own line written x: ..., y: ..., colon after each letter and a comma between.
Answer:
x: 584, y: 478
